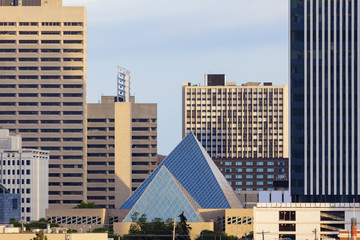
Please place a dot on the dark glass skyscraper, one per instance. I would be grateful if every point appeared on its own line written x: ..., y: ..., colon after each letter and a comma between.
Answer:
x: 325, y: 165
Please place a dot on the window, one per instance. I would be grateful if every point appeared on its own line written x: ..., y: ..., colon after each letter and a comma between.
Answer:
x: 287, y: 216
x: 28, y: 33
x: 260, y: 163
x: 50, y: 33
x: 270, y: 176
x: 73, y: 41
x: 7, y: 41
x: 227, y: 163
x: 249, y: 170
x: 50, y: 41
x: 249, y: 163
x: 270, y: 170
x: 50, y: 24
x: 28, y: 41
x: 7, y: 24
x: 73, y: 33
x: 270, y: 163
x: 287, y: 227
x: 228, y: 176
x: 249, y: 176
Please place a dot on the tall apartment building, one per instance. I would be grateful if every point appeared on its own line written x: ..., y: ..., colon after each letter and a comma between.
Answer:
x: 43, y: 88
x: 121, y: 149
x: 243, y: 128
x: 325, y: 101
x: 25, y: 172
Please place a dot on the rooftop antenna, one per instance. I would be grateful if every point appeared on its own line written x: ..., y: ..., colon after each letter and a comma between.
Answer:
x: 123, y: 85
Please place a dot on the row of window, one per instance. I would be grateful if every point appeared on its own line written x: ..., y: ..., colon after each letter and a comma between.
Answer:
x: 54, y: 166
x: 42, y: 77
x: 12, y: 172
x: 239, y: 170
x: 96, y: 129
x: 250, y: 183
x: 52, y: 130
x: 33, y: 33
x: 100, y: 189
x: 35, y: 104
x: 42, y: 121
x: 43, y: 95
x: 41, y: 112
x: 36, y: 86
x: 41, y: 41
x: 43, y: 50
x: 235, y: 90
x: 35, y: 59
x: 101, y: 137
x: 252, y: 163
x: 251, y: 176
x: 74, y: 175
x: 100, y: 171
x: 12, y: 162
x: 34, y: 24
x: 12, y: 68
x: 12, y: 181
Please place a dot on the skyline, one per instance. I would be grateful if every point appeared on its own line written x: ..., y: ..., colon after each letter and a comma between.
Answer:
x: 170, y: 43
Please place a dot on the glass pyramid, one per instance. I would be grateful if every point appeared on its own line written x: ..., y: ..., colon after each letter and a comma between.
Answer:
x: 197, y: 174
x: 165, y: 198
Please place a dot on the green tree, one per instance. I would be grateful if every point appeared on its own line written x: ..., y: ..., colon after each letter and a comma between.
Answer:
x: 183, y: 228
x: 40, y: 236
x: 248, y: 236
x: 99, y: 230
x: 86, y: 205
x: 210, y: 235
x: 41, y: 224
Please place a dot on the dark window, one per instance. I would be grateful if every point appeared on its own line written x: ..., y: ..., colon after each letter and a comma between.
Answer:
x: 287, y: 227
x: 287, y: 216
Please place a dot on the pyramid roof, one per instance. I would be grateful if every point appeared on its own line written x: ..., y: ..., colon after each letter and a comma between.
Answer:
x: 197, y: 174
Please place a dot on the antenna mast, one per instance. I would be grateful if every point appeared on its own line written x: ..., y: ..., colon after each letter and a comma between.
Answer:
x: 123, y: 85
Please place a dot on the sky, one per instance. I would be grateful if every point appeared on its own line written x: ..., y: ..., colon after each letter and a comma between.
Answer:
x: 166, y: 42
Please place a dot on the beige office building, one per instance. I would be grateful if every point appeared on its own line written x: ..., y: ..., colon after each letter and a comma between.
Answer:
x: 122, y: 148
x: 43, y: 88
x: 243, y: 128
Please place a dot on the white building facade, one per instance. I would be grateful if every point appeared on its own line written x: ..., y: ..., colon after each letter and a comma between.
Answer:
x: 301, y: 221
x: 25, y: 171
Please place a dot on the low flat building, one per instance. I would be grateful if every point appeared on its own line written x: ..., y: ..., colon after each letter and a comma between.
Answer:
x: 301, y: 221
x: 56, y: 236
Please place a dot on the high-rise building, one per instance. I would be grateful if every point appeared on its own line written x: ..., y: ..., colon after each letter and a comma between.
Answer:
x: 325, y: 112
x: 25, y: 172
x: 43, y: 88
x: 243, y: 128
x: 122, y: 149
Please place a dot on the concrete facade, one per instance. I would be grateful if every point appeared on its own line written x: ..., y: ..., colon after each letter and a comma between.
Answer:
x: 86, y: 219
x: 43, y: 89
x: 122, y: 148
x: 243, y: 128
x: 303, y: 221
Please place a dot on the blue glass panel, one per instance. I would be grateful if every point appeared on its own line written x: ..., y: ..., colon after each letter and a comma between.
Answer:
x: 164, y: 198
x: 198, y: 175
